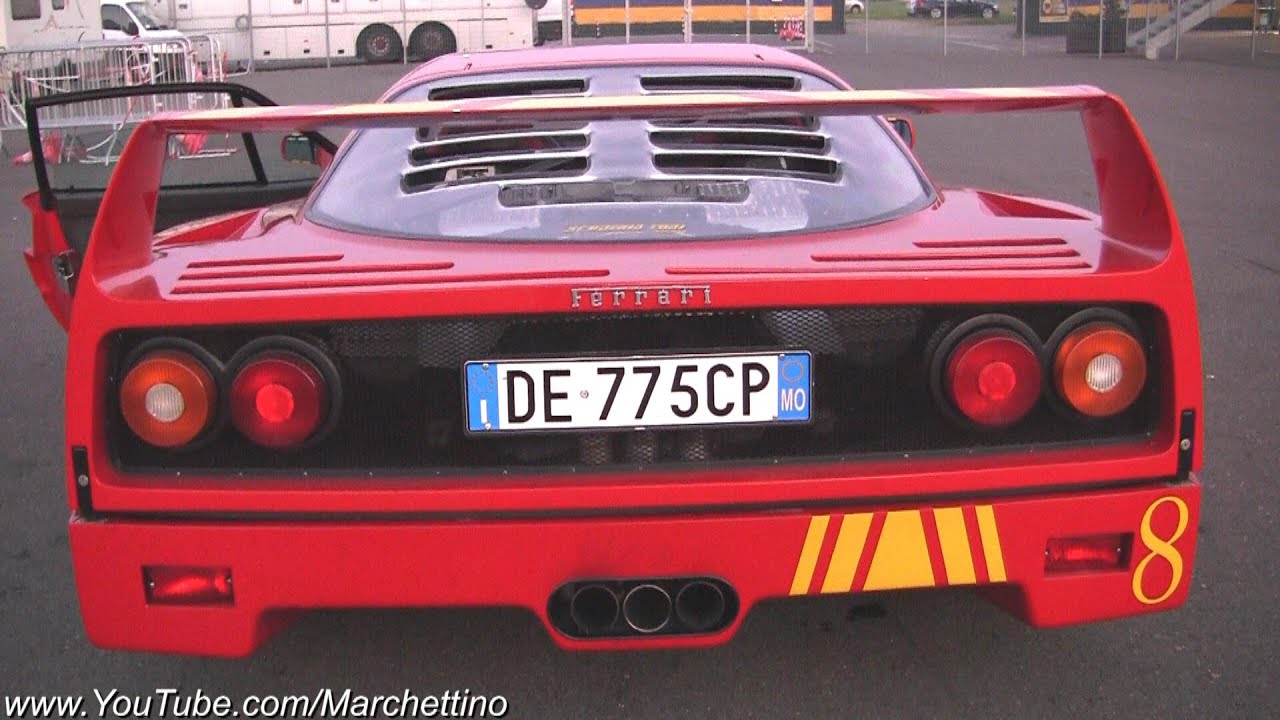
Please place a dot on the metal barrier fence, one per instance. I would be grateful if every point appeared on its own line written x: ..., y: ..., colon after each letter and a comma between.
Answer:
x: 1099, y: 27
x: 793, y: 23
x: 26, y: 74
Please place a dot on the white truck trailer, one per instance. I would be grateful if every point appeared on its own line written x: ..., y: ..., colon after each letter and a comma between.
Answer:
x: 374, y: 30
x: 46, y: 23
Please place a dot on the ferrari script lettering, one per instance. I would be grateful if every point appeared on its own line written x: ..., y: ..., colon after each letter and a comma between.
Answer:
x: 640, y: 297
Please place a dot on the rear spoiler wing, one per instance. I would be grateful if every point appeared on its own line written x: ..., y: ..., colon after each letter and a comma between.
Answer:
x: 1134, y: 203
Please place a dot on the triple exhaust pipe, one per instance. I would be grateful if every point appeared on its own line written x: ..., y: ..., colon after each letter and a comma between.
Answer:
x: 660, y: 606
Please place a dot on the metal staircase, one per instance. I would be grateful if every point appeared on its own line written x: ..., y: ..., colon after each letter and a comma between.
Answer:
x: 1162, y: 30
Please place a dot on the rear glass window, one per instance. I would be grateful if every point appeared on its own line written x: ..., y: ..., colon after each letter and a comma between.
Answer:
x: 713, y: 177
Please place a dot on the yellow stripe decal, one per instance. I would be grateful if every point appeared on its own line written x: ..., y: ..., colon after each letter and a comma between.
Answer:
x: 809, y: 554
x: 848, y: 550
x: 991, y: 543
x: 902, y: 555
x: 955, y: 546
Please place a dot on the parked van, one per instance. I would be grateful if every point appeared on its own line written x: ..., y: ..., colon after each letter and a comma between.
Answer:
x: 127, y: 19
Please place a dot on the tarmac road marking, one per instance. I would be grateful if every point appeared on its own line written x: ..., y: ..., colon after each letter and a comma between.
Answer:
x: 973, y: 43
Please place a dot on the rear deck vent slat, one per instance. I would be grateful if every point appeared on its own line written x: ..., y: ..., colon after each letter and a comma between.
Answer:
x: 515, y: 88
x: 481, y: 146
x: 730, y: 139
x: 533, y: 151
x: 715, y: 162
x: 750, y: 122
x: 468, y: 129
x: 704, y: 82
x: 506, y: 167
x: 770, y: 145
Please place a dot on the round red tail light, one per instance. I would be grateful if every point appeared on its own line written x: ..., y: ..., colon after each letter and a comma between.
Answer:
x: 168, y: 398
x: 1099, y: 369
x: 278, y: 399
x: 993, y: 377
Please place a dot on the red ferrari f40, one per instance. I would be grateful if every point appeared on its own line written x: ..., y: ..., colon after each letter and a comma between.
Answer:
x: 633, y: 338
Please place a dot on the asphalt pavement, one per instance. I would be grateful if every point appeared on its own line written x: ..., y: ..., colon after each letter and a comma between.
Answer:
x: 1213, y: 122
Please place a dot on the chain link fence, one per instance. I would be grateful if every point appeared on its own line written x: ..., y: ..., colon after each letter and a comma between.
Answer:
x: 1237, y: 29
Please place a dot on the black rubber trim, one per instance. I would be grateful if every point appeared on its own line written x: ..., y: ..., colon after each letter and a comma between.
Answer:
x: 437, y: 473
x: 322, y: 518
x: 251, y: 147
x: 1186, y: 443
x: 83, y: 482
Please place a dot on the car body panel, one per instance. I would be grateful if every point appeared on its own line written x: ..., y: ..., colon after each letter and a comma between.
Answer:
x: 996, y: 546
x: 979, y: 517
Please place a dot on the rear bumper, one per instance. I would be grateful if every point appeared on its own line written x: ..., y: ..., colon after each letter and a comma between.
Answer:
x: 279, y: 567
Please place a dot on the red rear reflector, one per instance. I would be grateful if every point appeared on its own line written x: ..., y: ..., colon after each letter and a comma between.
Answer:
x: 1099, y: 552
x: 181, y: 585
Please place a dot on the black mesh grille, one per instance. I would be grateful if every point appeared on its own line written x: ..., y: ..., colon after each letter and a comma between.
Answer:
x: 403, y: 396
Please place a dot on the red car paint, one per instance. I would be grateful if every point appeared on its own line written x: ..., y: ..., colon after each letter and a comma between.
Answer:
x: 294, y: 543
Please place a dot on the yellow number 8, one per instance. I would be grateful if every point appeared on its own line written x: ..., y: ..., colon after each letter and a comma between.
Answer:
x: 1160, y: 548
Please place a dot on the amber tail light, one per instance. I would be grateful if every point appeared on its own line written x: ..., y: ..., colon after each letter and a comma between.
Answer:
x: 1099, y: 369
x: 168, y: 398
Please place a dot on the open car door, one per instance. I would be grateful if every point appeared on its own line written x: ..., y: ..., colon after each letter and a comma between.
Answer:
x: 76, y: 137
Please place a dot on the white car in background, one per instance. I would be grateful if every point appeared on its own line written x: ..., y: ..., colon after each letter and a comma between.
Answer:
x: 854, y: 7
x: 166, y: 56
x: 126, y: 19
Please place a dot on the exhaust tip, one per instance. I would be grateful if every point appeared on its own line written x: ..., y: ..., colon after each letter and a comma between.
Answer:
x: 647, y: 608
x: 597, y: 609
x: 700, y: 605
x: 594, y: 609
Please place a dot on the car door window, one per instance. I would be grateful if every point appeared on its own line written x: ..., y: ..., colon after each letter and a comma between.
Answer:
x: 204, y: 173
x: 114, y: 18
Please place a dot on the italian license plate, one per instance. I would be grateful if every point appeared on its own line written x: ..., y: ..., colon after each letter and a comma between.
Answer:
x: 636, y: 392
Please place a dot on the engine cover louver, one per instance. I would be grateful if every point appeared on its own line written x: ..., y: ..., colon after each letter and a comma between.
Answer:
x: 714, y: 81
x: 777, y: 146
x: 476, y: 153
x: 515, y: 88
x: 767, y: 144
